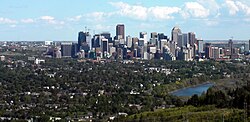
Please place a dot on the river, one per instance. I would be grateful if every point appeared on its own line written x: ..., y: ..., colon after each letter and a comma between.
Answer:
x: 190, y: 91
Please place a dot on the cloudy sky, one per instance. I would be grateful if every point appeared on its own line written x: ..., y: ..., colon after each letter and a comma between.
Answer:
x: 63, y: 19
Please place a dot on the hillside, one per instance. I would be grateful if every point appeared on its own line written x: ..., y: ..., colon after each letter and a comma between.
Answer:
x: 188, y: 113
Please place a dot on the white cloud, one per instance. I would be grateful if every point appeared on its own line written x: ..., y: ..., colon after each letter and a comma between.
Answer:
x: 98, y: 16
x: 195, y: 9
x: 237, y: 6
x: 133, y: 11
x: 233, y: 8
x: 163, y: 12
x: 7, y: 21
x: 143, y: 13
x: 51, y: 20
x: 245, y: 8
x: 48, y: 18
x: 29, y: 20
x: 76, y: 18
x: 212, y: 5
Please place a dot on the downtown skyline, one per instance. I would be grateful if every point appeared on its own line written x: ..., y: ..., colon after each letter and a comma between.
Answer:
x: 51, y: 20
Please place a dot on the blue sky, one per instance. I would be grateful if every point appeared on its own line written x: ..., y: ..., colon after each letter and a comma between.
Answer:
x: 63, y: 19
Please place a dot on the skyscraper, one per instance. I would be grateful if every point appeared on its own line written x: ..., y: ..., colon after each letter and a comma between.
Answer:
x: 104, y: 45
x: 175, y: 32
x: 180, y: 42
x: 84, y: 38
x: 200, y: 45
x: 120, y: 31
x: 191, y: 38
x: 230, y: 45
x: 129, y: 41
x: 154, y: 38
x: 144, y: 37
x: 185, y: 39
x: 107, y: 35
x: 66, y: 49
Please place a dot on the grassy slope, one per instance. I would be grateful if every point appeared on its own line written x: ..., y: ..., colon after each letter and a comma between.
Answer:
x: 188, y: 113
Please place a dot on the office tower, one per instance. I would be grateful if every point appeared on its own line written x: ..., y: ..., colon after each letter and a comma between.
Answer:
x: 84, y: 38
x: 141, y: 42
x: 215, y: 52
x: 74, y: 50
x: 107, y: 35
x: 124, y: 52
x: 175, y: 32
x: 200, y: 45
x: 180, y: 42
x: 96, y: 41
x: 104, y: 46
x: 154, y: 38
x: 173, y: 47
x: 160, y: 37
x: 120, y: 31
x: 80, y: 38
x: 208, y: 50
x: 66, y: 48
x: 144, y: 37
x: 163, y: 43
x: 185, y: 39
x: 135, y: 41
x: 129, y: 42
x: 230, y: 45
x: 191, y: 38
x: 190, y: 53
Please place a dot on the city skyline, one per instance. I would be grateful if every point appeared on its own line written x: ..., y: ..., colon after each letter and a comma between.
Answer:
x: 28, y: 20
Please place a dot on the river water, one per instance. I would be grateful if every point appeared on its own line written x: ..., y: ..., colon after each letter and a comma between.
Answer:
x: 190, y: 91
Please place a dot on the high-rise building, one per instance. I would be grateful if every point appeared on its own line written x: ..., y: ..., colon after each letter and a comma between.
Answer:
x: 154, y: 38
x: 129, y: 42
x: 185, y: 39
x: 175, y: 32
x: 200, y: 45
x: 96, y: 41
x: 191, y: 38
x: 84, y: 38
x: 120, y: 31
x: 208, y: 50
x: 104, y: 46
x: 107, y: 35
x: 135, y: 41
x: 180, y: 42
x: 74, y: 50
x: 66, y: 49
x: 230, y: 45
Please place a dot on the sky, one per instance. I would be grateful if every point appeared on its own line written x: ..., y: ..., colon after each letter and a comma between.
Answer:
x: 61, y: 20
